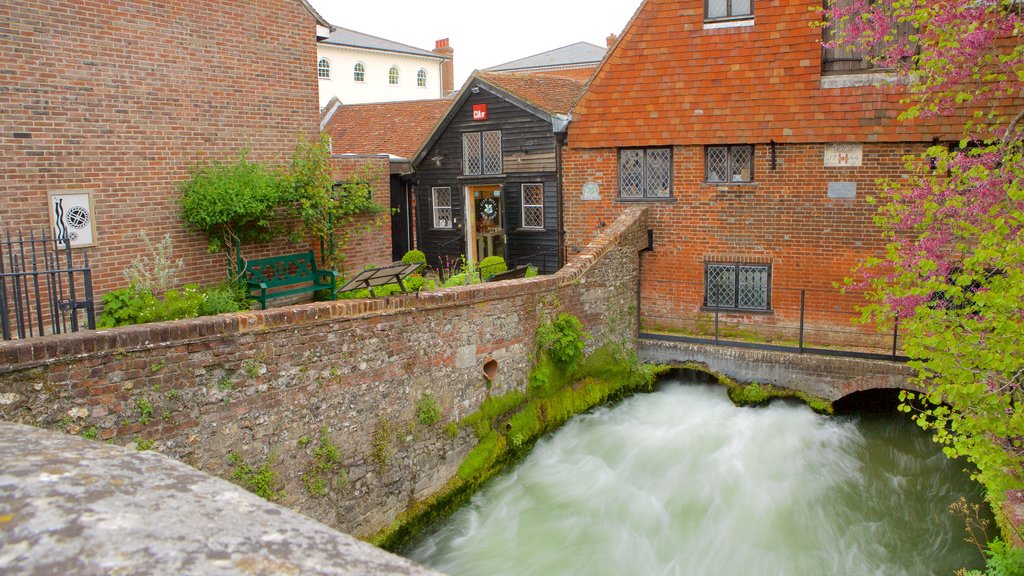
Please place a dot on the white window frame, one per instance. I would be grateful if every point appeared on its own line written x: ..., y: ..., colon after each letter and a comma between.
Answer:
x: 394, y: 76
x: 323, y: 69
x: 359, y: 72
x: 421, y: 78
x: 729, y: 15
x: 437, y: 208
x: 535, y: 206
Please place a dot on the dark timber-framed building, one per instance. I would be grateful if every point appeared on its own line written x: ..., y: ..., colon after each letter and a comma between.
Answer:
x: 488, y: 177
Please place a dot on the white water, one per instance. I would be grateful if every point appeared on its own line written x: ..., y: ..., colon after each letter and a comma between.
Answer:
x: 682, y: 482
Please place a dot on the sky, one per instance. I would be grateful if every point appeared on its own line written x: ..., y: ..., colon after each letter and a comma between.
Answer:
x: 483, y: 33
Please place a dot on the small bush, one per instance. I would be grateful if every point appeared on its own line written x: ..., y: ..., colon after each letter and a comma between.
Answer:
x: 414, y: 256
x: 531, y: 271
x: 222, y: 299
x: 562, y: 339
x: 427, y: 410
x: 261, y: 481
x: 492, y: 265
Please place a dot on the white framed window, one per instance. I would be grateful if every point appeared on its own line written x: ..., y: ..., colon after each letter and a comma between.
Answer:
x: 359, y: 72
x: 442, y: 197
x: 481, y: 153
x: 421, y: 78
x: 323, y: 69
x: 723, y: 164
x: 533, y: 206
x: 738, y: 286
x: 393, y: 76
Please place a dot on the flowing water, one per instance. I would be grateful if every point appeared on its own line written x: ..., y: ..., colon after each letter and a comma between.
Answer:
x: 682, y: 482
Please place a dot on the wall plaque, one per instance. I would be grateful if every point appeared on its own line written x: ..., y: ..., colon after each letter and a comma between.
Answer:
x: 843, y: 155
x: 71, y: 216
x: 842, y: 189
x: 591, y: 191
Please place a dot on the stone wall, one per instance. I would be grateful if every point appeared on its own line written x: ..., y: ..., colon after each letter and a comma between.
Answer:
x: 264, y: 384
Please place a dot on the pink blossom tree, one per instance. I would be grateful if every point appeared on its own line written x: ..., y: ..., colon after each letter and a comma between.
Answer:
x: 953, y: 273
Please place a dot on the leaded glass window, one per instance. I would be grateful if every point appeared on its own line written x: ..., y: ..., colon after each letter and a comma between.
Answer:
x: 722, y: 9
x: 481, y: 153
x: 723, y: 164
x: 737, y: 286
x: 645, y: 173
x: 442, y: 207
x: 533, y: 206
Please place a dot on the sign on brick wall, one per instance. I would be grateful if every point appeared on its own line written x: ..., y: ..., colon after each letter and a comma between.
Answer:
x: 71, y: 216
x: 843, y: 155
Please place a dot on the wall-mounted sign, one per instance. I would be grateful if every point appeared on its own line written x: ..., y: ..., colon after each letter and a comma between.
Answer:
x: 71, y: 216
x: 479, y: 111
x: 591, y: 191
x: 842, y: 189
x: 843, y: 155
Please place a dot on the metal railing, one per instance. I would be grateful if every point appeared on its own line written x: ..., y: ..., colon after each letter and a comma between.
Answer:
x: 800, y: 320
x: 42, y: 291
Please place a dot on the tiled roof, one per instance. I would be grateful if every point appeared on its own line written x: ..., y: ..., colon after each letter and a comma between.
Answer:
x: 396, y: 128
x: 351, y: 38
x: 671, y: 80
x: 552, y: 94
x: 580, y: 53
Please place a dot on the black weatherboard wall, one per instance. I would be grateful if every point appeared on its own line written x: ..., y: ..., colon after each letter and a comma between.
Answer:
x: 529, y: 155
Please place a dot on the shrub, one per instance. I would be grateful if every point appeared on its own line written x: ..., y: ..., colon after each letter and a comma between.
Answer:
x: 427, y: 410
x: 492, y: 265
x: 562, y: 339
x: 531, y: 271
x: 414, y: 256
x: 219, y: 300
x: 124, y: 306
x: 155, y: 270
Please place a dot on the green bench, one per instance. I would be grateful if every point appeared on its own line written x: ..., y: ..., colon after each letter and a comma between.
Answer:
x: 264, y: 274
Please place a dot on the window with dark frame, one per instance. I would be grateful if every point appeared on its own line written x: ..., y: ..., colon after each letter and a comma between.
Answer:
x: 738, y: 286
x: 533, y: 206
x: 725, y: 164
x: 728, y: 9
x: 442, y: 197
x: 645, y: 173
x: 845, y: 58
x: 481, y: 153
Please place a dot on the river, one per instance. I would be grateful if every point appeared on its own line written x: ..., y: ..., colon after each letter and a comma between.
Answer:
x: 681, y: 482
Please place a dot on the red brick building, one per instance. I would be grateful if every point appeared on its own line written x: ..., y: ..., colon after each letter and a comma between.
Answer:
x: 755, y: 150
x: 116, y: 100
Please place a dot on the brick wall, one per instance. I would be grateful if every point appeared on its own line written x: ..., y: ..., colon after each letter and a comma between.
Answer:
x: 121, y: 98
x: 369, y: 240
x: 785, y: 219
x: 259, y: 382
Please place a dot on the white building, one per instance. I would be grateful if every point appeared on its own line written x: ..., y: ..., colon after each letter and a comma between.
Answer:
x: 357, y: 68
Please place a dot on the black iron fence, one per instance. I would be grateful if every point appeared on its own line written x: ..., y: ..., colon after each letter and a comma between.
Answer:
x: 42, y: 290
x: 801, y: 320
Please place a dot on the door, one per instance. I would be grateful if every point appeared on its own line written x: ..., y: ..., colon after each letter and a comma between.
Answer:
x: 485, y: 234
x: 400, y: 225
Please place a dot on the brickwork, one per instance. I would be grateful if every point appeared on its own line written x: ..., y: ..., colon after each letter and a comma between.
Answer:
x: 259, y: 382
x: 785, y: 218
x: 369, y: 240
x: 121, y: 98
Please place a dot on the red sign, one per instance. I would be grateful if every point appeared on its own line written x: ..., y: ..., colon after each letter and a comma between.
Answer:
x: 479, y: 111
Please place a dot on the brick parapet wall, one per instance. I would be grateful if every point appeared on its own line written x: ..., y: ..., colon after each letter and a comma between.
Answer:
x: 259, y: 382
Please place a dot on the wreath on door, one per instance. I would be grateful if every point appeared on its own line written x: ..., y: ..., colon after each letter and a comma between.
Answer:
x: 489, y: 208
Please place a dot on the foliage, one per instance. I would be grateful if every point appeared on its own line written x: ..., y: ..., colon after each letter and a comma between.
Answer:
x: 222, y: 299
x: 325, y: 470
x: 414, y: 256
x: 414, y: 283
x: 261, y: 481
x: 953, y: 273
x: 427, y: 410
x: 1002, y: 559
x: 531, y: 271
x: 145, y: 409
x: 482, y: 456
x: 492, y: 265
x: 126, y: 306
x: 155, y: 270
x: 381, y: 448
x: 143, y: 444
x: 562, y: 340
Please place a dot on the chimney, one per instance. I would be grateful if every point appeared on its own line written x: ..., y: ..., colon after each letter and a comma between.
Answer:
x: 442, y: 48
x: 611, y: 39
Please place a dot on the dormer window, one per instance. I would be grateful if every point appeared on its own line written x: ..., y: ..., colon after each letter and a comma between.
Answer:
x: 843, y: 58
x: 323, y: 69
x: 728, y: 9
x: 393, y: 76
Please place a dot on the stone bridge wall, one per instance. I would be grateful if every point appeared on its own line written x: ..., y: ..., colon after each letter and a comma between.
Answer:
x: 264, y: 383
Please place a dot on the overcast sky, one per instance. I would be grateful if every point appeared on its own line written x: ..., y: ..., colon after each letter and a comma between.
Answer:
x: 483, y: 33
